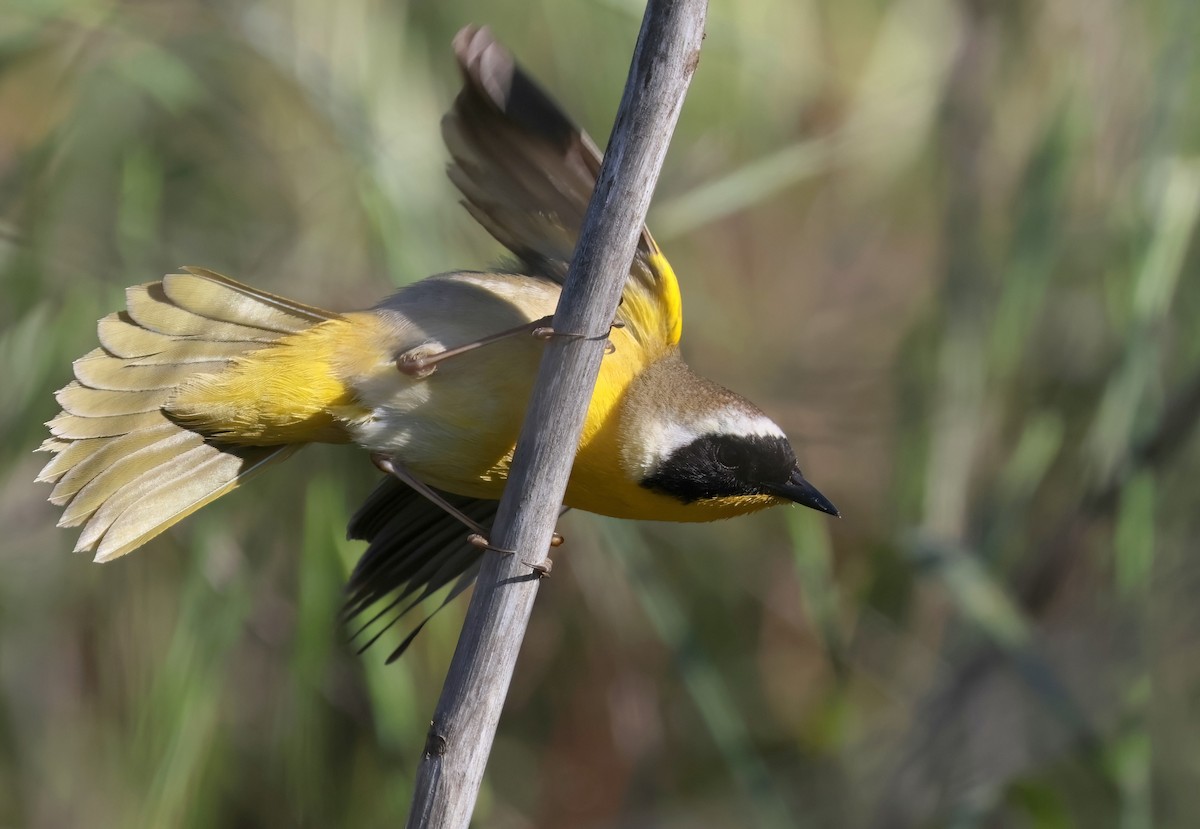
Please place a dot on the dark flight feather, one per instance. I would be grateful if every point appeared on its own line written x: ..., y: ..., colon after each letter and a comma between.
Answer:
x: 415, y: 549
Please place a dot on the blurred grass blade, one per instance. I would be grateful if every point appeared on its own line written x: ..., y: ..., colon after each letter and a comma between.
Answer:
x: 1178, y: 205
x: 743, y: 188
x: 812, y: 556
x: 717, y: 709
x: 973, y: 591
x: 984, y: 603
x: 1133, y: 540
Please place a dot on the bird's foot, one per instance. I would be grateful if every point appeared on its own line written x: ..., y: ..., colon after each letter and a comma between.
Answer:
x: 546, y: 332
x: 541, y: 569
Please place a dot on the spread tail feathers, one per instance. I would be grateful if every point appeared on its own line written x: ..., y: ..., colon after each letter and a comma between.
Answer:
x: 122, y: 468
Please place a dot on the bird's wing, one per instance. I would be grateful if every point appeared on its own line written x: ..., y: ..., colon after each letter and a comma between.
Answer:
x: 527, y: 173
x: 415, y: 549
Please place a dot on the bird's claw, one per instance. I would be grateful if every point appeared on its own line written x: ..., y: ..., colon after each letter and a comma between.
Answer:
x: 545, y: 332
x: 541, y: 569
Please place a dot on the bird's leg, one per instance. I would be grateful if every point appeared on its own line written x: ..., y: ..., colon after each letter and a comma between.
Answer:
x: 421, y: 361
x: 389, y: 466
x: 478, y: 537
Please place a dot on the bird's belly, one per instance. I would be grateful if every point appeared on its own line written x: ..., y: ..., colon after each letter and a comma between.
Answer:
x: 456, y: 429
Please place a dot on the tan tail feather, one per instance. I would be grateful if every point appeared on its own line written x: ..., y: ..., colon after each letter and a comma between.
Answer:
x: 150, y: 307
x: 95, y: 484
x: 189, y: 353
x: 121, y: 337
x: 81, y: 401
x: 73, y: 427
x: 103, y: 371
x: 93, y: 457
x: 183, y: 495
x: 206, y: 293
x: 67, y: 453
x: 121, y: 467
x: 145, y: 484
x: 291, y: 306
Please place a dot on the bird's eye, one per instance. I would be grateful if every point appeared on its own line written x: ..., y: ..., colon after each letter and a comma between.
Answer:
x: 728, y: 455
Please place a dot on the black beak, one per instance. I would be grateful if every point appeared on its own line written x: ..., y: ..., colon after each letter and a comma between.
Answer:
x: 803, y: 493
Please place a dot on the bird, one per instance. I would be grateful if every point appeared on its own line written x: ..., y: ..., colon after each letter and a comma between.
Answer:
x: 202, y: 382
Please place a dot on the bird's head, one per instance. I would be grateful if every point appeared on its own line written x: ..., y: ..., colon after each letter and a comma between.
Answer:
x: 699, y: 443
x: 731, y: 464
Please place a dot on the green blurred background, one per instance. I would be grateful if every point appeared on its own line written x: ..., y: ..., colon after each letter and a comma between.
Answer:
x: 948, y: 245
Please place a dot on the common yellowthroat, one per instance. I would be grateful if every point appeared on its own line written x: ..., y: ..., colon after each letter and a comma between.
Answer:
x: 203, y: 382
